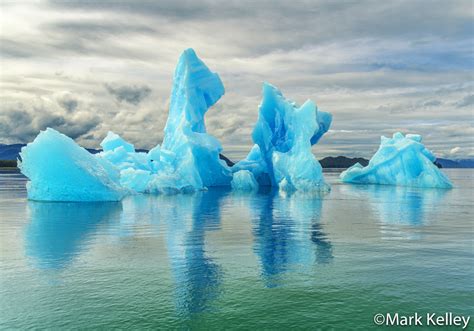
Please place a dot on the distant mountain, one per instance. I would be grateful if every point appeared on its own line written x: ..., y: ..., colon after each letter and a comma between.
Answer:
x: 463, y: 163
x: 342, y: 162
x: 11, y: 152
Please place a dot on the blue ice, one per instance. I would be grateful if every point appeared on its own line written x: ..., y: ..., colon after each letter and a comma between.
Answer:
x: 283, y: 136
x: 194, y: 153
x: 400, y: 160
x: 188, y: 159
x: 61, y: 170
x: 244, y: 180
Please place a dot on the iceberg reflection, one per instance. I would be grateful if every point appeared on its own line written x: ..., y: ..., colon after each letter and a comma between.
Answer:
x: 57, y: 232
x: 288, y: 234
x: 196, y: 275
x: 399, y: 204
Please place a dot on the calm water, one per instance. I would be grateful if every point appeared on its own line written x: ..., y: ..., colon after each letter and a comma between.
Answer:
x: 218, y: 259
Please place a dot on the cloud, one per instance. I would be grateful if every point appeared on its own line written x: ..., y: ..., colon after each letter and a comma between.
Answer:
x: 376, y: 66
x: 432, y: 103
x: 131, y: 94
x: 467, y: 101
x: 455, y: 150
x: 68, y: 102
x: 13, y: 49
x: 95, y: 28
x: 20, y: 123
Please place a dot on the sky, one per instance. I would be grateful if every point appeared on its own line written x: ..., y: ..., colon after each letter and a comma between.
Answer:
x: 87, y: 67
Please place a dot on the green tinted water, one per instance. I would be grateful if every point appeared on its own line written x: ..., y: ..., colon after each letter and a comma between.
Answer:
x: 221, y: 260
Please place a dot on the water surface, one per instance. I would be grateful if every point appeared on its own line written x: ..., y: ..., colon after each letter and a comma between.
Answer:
x: 220, y: 259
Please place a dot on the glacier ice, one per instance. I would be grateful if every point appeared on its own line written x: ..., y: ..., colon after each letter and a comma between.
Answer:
x: 254, y: 163
x: 400, y: 160
x: 244, y: 180
x: 114, y: 142
x: 188, y: 159
x: 283, y: 136
x: 122, y: 154
x: 61, y: 170
x: 195, y: 153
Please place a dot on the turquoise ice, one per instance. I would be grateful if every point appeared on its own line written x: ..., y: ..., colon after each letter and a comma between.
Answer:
x: 194, y: 154
x: 283, y: 136
x: 400, y: 160
x: 61, y: 170
x: 244, y: 180
x: 188, y: 159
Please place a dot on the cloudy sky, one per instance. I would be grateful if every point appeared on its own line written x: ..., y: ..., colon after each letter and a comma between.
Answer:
x: 87, y: 67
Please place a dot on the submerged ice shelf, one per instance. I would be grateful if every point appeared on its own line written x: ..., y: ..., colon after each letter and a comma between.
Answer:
x: 189, y: 157
x: 400, y: 160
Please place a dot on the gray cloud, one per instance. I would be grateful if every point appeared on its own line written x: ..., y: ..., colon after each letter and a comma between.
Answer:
x: 13, y: 49
x: 263, y: 26
x: 97, y: 28
x: 432, y: 103
x: 21, y: 123
x: 376, y: 66
x: 467, y: 101
x: 131, y: 94
x: 68, y: 102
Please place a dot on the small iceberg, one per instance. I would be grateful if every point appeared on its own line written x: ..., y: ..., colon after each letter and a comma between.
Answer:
x: 283, y: 136
x: 400, y: 160
x: 61, y: 170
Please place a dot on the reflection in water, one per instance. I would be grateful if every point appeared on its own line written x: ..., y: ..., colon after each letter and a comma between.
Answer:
x: 139, y: 218
x: 323, y: 245
x: 288, y: 233
x: 196, y: 275
x: 57, y: 232
x: 398, y: 204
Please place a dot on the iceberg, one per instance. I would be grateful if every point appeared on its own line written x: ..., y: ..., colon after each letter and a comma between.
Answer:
x: 400, y: 160
x: 188, y: 159
x: 194, y: 153
x: 244, y: 180
x: 122, y: 154
x: 61, y: 170
x: 283, y: 136
x: 134, y: 167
